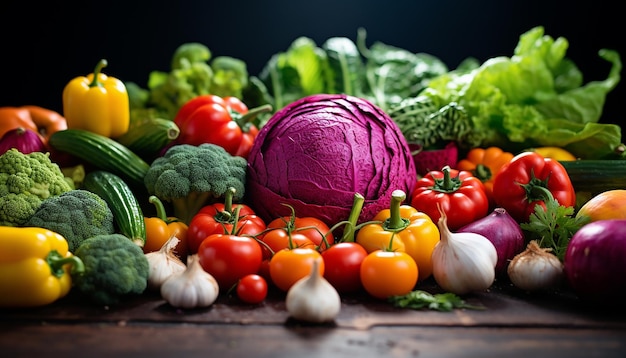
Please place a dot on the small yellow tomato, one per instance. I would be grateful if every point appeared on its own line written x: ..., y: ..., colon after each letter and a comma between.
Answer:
x: 388, y: 273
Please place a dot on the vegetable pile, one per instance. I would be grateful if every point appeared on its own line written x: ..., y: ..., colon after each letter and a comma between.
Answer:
x: 305, y: 180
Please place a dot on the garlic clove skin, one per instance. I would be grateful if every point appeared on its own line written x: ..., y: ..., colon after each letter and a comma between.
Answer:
x: 535, y: 269
x: 463, y: 262
x: 163, y: 263
x: 313, y: 299
x: 192, y: 288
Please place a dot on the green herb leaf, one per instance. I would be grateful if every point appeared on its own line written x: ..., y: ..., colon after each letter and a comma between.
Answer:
x: 418, y: 299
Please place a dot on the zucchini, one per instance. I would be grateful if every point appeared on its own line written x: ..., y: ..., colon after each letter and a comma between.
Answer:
x: 596, y: 175
x: 148, y: 137
x: 102, y: 153
x: 127, y: 213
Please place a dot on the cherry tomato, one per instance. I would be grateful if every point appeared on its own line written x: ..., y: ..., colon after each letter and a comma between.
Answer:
x: 287, y: 266
x: 343, y: 266
x: 316, y: 231
x: 252, y: 289
x: 388, y: 273
x: 229, y: 258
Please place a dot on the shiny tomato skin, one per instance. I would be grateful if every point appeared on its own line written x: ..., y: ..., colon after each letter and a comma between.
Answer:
x: 287, y: 266
x: 278, y: 239
x: 252, y: 289
x: 314, y: 229
x: 342, y: 263
x: 228, y: 258
x: 388, y: 273
x: 211, y: 123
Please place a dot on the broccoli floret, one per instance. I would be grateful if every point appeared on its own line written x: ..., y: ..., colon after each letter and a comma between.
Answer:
x: 25, y: 181
x: 77, y: 215
x: 114, y: 268
x: 190, y: 177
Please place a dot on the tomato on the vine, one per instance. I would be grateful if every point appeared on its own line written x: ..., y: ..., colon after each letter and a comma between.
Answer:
x: 342, y: 263
x: 312, y: 228
x: 252, y: 289
x: 287, y: 266
x: 219, y: 218
x: 388, y: 273
x: 229, y: 257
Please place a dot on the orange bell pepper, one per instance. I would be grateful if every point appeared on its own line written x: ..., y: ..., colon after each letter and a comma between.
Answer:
x: 408, y: 230
x: 161, y: 228
x: 485, y: 163
x: 38, y: 119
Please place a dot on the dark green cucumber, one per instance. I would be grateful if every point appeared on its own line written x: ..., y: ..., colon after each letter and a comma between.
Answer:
x: 596, y: 175
x: 127, y: 213
x: 148, y: 137
x: 101, y: 152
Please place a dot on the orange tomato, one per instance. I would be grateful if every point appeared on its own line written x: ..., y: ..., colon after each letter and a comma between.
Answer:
x: 388, y: 273
x: 287, y: 266
x: 312, y: 228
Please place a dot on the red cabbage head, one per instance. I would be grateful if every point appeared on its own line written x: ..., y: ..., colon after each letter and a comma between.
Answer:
x: 317, y: 152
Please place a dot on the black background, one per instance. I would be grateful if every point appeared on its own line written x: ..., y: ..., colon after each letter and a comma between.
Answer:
x: 44, y: 45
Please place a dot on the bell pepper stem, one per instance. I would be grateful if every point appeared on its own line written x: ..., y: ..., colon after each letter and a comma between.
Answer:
x: 56, y: 262
x: 395, y: 222
x: 355, y: 212
x: 96, y: 73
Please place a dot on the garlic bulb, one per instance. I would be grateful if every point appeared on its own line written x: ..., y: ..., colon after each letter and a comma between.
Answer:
x: 535, y: 268
x: 463, y: 262
x: 163, y: 263
x: 192, y: 288
x: 313, y: 298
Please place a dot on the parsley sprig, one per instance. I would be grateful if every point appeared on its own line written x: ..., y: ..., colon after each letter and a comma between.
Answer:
x: 418, y: 299
x: 554, y: 226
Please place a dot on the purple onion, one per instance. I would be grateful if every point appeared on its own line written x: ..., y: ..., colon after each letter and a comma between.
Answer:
x: 594, y: 261
x: 504, y: 232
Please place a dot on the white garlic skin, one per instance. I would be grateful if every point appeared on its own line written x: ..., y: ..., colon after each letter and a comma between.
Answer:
x: 313, y: 299
x: 163, y: 263
x: 463, y: 262
x: 192, y: 288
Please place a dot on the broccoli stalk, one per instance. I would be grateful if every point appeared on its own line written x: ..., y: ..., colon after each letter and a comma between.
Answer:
x: 190, y: 177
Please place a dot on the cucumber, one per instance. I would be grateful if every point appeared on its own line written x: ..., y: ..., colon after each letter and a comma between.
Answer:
x: 148, y: 137
x: 102, y: 153
x: 127, y: 213
x: 596, y: 175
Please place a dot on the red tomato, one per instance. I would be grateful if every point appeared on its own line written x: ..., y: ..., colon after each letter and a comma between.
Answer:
x: 342, y: 263
x: 278, y: 239
x: 212, y: 219
x: 229, y: 258
x: 252, y: 289
x: 314, y: 229
x: 461, y: 195
x: 388, y: 273
x: 287, y: 266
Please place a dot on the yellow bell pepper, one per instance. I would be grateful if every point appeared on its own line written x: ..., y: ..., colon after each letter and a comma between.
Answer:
x: 402, y: 228
x: 97, y: 103
x: 35, y: 267
x: 557, y: 153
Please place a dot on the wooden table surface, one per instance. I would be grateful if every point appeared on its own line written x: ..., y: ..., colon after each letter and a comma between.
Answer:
x: 512, y: 324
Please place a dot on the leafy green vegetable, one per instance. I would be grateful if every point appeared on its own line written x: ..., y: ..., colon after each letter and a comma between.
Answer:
x: 553, y: 227
x: 418, y: 299
x: 534, y: 98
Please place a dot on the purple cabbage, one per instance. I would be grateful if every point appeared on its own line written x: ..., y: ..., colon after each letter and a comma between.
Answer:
x: 317, y: 152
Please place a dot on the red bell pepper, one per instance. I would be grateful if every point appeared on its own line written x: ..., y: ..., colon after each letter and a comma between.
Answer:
x: 219, y: 218
x: 225, y: 121
x: 460, y: 194
x: 520, y: 185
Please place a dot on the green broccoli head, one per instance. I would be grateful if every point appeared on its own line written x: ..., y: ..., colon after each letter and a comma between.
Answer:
x: 77, y: 215
x: 191, y: 176
x: 114, y: 268
x: 25, y: 181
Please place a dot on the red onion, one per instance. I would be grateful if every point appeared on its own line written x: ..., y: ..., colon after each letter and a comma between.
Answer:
x: 594, y: 260
x: 23, y: 139
x: 503, y: 232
